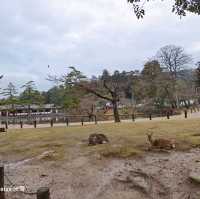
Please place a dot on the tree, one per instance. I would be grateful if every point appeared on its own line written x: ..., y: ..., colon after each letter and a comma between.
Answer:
x: 10, y: 92
x: 197, y: 75
x: 180, y: 7
x: 155, y: 86
x: 61, y: 96
x: 151, y: 70
x: 173, y: 60
x: 68, y: 94
x: 107, y: 87
x: 54, y: 95
x: 151, y: 77
x: 30, y: 95
x: 88, y: 105
x: 110, y: 87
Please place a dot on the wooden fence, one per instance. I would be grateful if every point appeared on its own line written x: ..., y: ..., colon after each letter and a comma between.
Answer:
x: 67, y: 119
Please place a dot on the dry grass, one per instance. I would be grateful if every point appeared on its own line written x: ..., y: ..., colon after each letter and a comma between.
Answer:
x: 126, y: 139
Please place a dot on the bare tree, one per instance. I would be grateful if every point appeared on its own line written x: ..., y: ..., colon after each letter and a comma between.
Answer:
x: 174, y: 60
x: 110, y: 87
x: 88, y: 105
x: 107, y: 87
x: 107, y: 90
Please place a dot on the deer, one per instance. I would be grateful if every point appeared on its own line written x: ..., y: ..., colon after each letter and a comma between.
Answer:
x: 97, y: 138
x: 160, y: 143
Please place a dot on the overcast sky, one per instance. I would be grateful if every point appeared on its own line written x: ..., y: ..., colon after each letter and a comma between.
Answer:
x: 89, y: 34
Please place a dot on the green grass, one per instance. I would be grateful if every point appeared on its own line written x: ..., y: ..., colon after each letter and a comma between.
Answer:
x: 126, y: 139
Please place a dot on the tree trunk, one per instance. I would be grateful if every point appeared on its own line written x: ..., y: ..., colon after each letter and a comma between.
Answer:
x: 185, y: 104
x: 115, y: 111
x: 177, y: 100
x: 189, y: 104
x: 173, y: 104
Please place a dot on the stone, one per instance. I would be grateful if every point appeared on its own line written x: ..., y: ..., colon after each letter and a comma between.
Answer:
x: 43, y: 175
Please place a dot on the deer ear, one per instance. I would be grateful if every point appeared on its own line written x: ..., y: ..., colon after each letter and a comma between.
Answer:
x: 149, y: 134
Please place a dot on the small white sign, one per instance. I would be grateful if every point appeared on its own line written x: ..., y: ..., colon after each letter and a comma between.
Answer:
x: 13, y: 189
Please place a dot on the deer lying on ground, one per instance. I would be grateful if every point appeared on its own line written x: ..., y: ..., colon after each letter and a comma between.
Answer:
x: 160, y: 143
x: 97, y: 138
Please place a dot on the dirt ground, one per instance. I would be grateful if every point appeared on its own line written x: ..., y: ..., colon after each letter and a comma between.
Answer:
x: 155, y: 175
x: 59, y: 158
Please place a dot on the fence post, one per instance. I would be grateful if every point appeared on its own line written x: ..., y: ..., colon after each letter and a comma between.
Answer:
x: 35, y: 123
x: 185, y: 113
x: 2, y: 194
x: 82, y: 121
x: 133, y: 117
x: 168, y: 117
x: 95, y: 119
x: 67, y: 121
x: 150, y: 116
x: 43, y: 193
x: 6, y: 125
x: 21, y: 124
x: 51, y: 122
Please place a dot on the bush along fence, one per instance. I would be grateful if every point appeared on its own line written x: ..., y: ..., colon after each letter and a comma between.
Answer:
x: 41, y: 193
x: 51, y: 119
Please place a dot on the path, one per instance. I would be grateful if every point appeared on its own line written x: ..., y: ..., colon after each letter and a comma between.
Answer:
x: 176, y: 117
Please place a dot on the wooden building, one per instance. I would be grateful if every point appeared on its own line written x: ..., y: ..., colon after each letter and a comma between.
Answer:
x: 20, y: 110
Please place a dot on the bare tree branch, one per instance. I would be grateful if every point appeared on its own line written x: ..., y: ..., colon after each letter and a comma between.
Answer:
x: 90, y: 90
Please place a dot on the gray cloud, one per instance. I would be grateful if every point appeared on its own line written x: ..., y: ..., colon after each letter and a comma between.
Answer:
x: 91, y: 35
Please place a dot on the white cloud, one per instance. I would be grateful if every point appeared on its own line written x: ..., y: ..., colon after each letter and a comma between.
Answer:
x: 91, y: 35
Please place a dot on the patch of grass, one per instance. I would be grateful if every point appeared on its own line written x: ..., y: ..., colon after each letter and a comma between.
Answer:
x: 113, y: 150
x: 119, y: 151
x: 126, y: 139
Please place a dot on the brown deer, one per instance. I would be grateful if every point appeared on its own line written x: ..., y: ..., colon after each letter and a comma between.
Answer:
x: 97, y: 138
x: 160, y: 143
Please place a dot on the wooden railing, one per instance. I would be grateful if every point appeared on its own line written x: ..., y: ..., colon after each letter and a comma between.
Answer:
x: 52, y: 118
